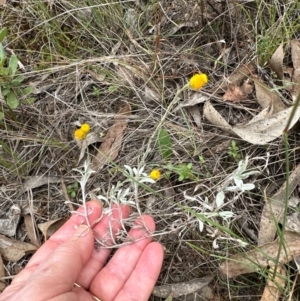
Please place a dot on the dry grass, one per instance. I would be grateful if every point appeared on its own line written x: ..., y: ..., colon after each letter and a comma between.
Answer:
x: 86, y: 59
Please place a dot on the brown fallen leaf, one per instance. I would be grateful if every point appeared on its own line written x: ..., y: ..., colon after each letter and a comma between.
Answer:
x: 274, y: 207
x: 274, y: 285
x: 37, y: 181
x: 247, y: 87
x: 236, y: 78
x: 50, y: 227
x: 266, y: 97
x: 182, y: 288
x: 261, y: 130
x: 196, y: 115
x: 91, y: 138
x: 8, y: 225
x: 295, y: 50
x: 276, y: 61
x: 13, y: 250
x: 2, y: 275
x: 234, y: 93
x: 195, y: 99
x: 33, y: 235
x: 109, y: 149
x: 258, y: 258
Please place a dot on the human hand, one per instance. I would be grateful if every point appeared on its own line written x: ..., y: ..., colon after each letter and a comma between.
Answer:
x: 69, y: 257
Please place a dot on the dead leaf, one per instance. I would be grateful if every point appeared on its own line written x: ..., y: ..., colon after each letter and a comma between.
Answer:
x: 111, y: 145
x: 195, y: 99
x: 195, y: 113
x: 2, y: 2
x: 31, y: 230
x: 265, y: 130
x: 50, y: 227
x: 91, y: 138
x: 266, y: 97
x: 182, y: 288
x: 247, y: 87
x: 234, y: 93
x: 216, y: 118
x: 2, y: 275
x: 274, y: 285
x: 274, y: 208
x: 258, y: 258
x: 236, y: 78
x: 13, y: 250
x: 260, y: 131
x: 37, y: 181
x: 276, y: 61
x: 295, y: 49
x: 8, y: 226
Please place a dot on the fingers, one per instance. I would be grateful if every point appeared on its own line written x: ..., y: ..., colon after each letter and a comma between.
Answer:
x: 94, y: 209
x: 105, y: 231
x: 142, y: 280
x: 123, y: 263
x: 57, y: 274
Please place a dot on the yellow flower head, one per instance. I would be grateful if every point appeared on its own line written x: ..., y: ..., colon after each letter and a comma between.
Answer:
x: 79, y: 134
x: 155, y: 174
x: 85, y: 127
x: 197, y: 81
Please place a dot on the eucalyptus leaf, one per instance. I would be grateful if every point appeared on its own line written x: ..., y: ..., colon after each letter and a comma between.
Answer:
x: 3, y: 33
x: 164, y: 144
x: 12, y: 100
x: 13, y: 64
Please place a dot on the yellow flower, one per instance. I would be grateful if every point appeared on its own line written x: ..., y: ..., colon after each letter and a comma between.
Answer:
x: 85, y: 127
x: 197, y: 81
x: 79, y: 134
x: 155, y: 174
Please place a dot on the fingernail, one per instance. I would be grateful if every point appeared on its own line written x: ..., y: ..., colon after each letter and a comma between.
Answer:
x: 81, y: 230
x: 90, y: 210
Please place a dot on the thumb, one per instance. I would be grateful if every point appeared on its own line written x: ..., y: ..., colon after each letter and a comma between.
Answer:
x: 61, y: 269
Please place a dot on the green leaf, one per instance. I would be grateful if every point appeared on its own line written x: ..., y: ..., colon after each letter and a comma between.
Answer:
x: 28, y: 101
x: 27, y: 90
x: 1, y: 115
x: 5, y: 91
x: 13, y: 64
x: 3, y: 33
x: 73, y: 194
x: 164, y: 144
x: 17, y: 80
x: 3, y: 70
x: 112, y: 89
x: 12, y: 100
x: 2, y: 55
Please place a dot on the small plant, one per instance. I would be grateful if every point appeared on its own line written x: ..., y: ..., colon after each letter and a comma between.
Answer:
x: 73, y: 189
x: 233, y: 150
x: 10, y: 82
x: 183, y: 170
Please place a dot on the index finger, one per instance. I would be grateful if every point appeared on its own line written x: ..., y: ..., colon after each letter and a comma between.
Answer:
x: 94, y: 209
